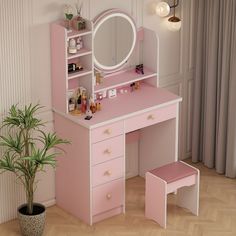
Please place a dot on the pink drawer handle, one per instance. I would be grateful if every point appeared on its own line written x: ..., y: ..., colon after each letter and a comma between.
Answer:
x: 107, y: 131
x: 108, y: 173
x: 108, y: 196
x: 107, y: 151
x: 151, y: 117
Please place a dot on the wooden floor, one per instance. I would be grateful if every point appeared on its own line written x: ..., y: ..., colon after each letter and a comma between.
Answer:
x: 217, y: 214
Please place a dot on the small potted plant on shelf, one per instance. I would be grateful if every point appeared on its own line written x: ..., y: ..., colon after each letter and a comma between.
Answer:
x: 27, y: 150
x: 68, y: 11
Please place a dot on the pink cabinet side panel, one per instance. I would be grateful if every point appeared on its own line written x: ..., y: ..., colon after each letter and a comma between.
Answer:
x: 58, y: 67
x: 73, y: 169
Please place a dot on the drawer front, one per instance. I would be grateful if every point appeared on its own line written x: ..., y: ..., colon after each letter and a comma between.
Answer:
x: 150, y: 118
x: 108, y: 196
x: 108, y: 171
x: 107, y: 131
x: 107, y: 150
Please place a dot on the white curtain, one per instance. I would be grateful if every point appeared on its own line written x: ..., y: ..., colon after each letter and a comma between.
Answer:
x: 214, y: 108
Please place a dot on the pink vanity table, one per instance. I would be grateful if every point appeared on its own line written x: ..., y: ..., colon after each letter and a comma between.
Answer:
x: 90, y: 178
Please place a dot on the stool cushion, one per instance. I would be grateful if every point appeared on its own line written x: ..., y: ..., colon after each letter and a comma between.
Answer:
x: 173, y: 171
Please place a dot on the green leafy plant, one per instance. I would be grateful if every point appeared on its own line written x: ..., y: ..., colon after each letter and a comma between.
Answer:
x: 27, y: 148
x: 68, y: 11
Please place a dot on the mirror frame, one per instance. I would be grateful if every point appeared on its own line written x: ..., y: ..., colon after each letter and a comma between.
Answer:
x: 98, y: 21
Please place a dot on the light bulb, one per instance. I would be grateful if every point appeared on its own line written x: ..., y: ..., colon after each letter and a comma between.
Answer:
x: 162, y: 9
x: 174, y: 23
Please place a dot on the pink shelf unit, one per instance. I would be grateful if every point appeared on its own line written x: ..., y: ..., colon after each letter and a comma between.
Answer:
x: 62, y: 81
x: 123, y: 78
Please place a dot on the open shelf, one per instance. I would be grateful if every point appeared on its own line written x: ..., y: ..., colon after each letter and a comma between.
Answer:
x: 123, y: 78
x: 75, y: 33
x: 80, y: 53
x: 79, y: 74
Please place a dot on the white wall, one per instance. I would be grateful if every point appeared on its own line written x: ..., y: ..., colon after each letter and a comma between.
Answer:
x: 25, y: 69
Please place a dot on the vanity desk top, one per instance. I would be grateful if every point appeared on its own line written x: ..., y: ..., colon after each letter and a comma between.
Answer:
x: 127, y: 105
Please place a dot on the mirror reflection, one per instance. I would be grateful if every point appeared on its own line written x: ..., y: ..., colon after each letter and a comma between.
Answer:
x: 113, y: 41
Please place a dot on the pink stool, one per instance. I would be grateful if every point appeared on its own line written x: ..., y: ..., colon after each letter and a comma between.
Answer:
x: 167, y: 179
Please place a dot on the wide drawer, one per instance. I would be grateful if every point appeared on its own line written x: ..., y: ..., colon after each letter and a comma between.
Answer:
x: 108, y: 171
x: 107, y: 150
x: 108, y: 196
x: 150, y: 118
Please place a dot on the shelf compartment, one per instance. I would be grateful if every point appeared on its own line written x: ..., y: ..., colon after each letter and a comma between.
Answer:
x: 76, y: 33
x: 123, y: 78
x: 79, y: 74
x: 80, y: 53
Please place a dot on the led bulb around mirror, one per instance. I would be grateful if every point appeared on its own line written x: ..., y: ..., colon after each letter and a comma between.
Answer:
x: 174, y: 23
x: 162, y: 9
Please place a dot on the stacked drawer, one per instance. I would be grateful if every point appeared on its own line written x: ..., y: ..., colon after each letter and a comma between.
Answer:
x: 107, y: 169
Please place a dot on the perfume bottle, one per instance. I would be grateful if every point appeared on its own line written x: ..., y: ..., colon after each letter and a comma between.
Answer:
x: 72, y: 46
x: 83, y: 103
x: 71, y: 105
x: 79, y: 42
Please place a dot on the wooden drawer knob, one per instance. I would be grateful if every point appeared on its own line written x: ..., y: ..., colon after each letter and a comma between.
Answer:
x: 108, y: 173
x: 108, y: 196
x: 107, y: 131
x: 151, y: 117
x: 107, y: 151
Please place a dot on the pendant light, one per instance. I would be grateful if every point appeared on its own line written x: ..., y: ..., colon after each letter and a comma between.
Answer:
x: 174, y: 23
x: 163, y: 10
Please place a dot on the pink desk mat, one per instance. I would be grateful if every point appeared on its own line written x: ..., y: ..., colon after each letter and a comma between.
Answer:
x: 173, y: 171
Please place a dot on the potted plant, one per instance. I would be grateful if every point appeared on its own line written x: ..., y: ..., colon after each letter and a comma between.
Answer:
x: 68, y: 11
x: 27, y: 151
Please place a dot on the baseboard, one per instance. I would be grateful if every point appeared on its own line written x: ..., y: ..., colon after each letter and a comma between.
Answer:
x: 49, y: 203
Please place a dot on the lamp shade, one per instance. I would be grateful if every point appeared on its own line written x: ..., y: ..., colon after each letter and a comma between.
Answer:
x: 174, y: 23
x: 162, y: 9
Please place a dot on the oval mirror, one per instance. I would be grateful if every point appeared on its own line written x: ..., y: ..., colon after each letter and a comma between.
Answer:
x: 114, y: 40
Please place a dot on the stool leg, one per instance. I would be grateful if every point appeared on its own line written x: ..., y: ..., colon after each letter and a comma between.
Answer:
x: 188, y: 197
x: 156, y: 199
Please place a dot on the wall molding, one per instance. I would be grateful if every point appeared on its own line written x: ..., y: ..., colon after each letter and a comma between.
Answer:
x: 189, y: 115
x: 184, y: 77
